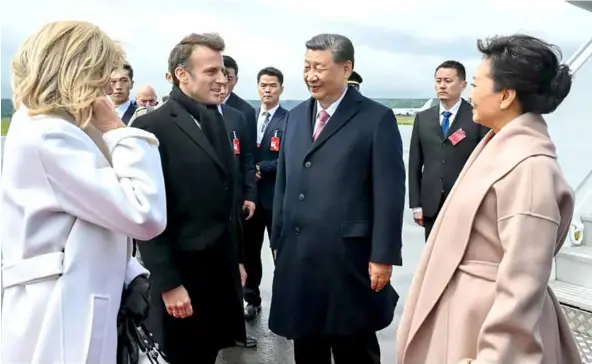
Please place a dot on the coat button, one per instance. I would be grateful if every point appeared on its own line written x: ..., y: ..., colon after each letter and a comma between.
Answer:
x: 301, y: 197
x: 307, y: 164
x: 296, y: 230
x: 443, y: 162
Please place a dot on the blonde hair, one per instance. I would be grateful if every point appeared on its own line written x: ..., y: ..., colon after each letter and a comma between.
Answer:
x: 64, y: 67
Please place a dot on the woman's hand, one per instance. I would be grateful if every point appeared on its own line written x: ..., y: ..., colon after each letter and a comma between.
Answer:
x: 104, y: 117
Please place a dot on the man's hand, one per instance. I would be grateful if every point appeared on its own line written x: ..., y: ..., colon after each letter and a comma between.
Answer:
x: 249, y: 205
x: 177, y: 302
x: 243, y: 274
x: 418, y: 217
x: 380, y: 275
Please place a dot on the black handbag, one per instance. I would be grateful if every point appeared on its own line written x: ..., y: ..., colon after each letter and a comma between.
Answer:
x: 132, y: 334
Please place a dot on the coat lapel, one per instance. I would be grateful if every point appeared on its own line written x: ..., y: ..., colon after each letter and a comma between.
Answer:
x: 435, y: 122
x: 456, y: 124
x: 460, y: 118
x: 305, y: 127
x: 186, y: 123
x: 524, y: 137
x: 279, y: 114
x: 346, y: 110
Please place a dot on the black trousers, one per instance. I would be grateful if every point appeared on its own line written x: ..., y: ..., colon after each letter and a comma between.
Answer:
x: 253, y: 237
x: 428, y: 224
x: 359, y: 349
x: 428, y: 221
x: 212, y: 280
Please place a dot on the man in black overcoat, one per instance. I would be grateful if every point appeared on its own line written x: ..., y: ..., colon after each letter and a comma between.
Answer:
x: 337, y: 215
x: 194, y: 263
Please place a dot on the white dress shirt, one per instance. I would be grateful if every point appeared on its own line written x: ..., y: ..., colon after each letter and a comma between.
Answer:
x: 121, y: 109
x: 453, y: 110
x: 330, y: 110
x: 261, y: 120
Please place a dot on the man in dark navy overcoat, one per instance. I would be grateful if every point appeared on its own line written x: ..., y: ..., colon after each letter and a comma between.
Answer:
x: 337, y: 215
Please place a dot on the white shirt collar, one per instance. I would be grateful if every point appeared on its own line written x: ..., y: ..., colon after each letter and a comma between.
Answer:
x: 227, y: 97
x: 270, y: 111
x: 121, y: 109
x: 333, y: 107
x: 220, y: 109
x: 453, y: 110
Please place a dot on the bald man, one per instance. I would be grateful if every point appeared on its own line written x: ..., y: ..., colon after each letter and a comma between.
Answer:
x: 146, y: 96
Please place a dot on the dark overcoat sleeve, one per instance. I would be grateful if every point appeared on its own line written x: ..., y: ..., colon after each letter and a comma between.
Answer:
x: 388, y: 185
x: 157, y: 253
x: 247, y: 163
x: 415, y: 166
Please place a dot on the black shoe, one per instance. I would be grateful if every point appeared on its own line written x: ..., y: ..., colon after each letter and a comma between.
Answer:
x: 247, y: 342
x: 251, y: 311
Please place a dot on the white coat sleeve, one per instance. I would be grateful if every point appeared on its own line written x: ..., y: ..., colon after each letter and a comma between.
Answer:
x: 127, y: 197
x: 134, y: 269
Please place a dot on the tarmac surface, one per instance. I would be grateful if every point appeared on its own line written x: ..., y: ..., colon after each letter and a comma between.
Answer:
x: 273, y: 349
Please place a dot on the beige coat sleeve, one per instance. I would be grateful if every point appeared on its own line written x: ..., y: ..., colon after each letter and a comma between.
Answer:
x: 528, y: 220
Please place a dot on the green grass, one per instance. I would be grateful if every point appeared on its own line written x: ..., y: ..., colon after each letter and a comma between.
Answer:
x: 5, y: 124
x: 405, y: 120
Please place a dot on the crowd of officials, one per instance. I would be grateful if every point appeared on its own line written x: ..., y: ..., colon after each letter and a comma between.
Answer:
x: 190, y: 187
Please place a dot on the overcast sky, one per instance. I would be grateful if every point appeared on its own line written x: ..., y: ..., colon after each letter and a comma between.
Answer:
x: 398, y: 42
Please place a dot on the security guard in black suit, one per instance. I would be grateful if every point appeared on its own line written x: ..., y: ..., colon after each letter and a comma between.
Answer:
x: 442, y: 140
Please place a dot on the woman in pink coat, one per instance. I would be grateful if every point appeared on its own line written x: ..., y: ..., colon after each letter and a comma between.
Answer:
x: 480, y: 294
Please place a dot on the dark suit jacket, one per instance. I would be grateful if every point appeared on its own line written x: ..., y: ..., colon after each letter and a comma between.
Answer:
x: 267, y: 159
x: 236, y: 124
x: 127, y: 115
x: 434, y: 162
x: 338, y: 205
x: 236, y: 102
x: 201, y: 201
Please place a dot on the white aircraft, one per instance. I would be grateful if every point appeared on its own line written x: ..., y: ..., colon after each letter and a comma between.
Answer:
x: 412, y: 111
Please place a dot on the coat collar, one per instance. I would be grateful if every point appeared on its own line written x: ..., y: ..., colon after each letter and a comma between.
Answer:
x: 189, y: 126
x: 347, y: 109
x: 496, y: 155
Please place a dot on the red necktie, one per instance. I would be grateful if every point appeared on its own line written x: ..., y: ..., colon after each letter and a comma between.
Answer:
x: 321, y: 122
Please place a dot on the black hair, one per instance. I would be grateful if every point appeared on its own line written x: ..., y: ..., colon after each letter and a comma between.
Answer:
x: 341, y: 46
x: 229, y: 62
x: 455, y: 65
x: 271, y: 71
x: 130, y: 70
x: 529, y: 66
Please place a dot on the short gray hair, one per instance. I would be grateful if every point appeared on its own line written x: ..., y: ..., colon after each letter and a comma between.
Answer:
x: 341, y: 47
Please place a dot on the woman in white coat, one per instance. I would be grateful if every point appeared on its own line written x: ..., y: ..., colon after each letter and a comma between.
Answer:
x: 75, y: 185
